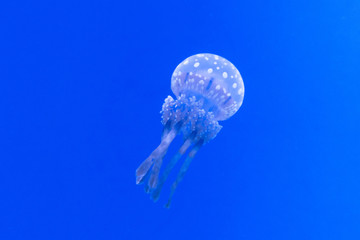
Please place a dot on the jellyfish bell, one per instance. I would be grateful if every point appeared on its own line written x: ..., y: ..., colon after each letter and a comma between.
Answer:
x: 213, y: 79
x: 208, y: 89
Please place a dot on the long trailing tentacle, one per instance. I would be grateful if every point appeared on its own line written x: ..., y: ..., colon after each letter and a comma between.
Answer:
x: 187, y: 115
x: 166, y: 129
x: 170, y: 166
x: 157, y: 154
x: 183, y: 169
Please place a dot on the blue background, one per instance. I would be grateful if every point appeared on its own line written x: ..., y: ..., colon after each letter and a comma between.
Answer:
x: 81, y: 87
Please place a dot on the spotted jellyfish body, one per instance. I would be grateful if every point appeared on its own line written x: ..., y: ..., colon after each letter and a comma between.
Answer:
x: 208, y: 89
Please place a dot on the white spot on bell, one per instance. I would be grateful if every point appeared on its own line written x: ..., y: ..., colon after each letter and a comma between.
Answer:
x: 210, y: 70
x: 234, y: 85
x: 216, y: 57
x: 225, y: 75
x: 241, y: 91
x: 196, y: 64
x: 218, y: 87
x: 228, y: 94
x: 186, y: 62
x: 201, y: 82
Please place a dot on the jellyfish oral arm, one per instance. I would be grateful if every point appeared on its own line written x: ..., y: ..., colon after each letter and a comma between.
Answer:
x: 155, y: 157
x: 184, y: 115
x: 184, y: 169
x: 169, y: 167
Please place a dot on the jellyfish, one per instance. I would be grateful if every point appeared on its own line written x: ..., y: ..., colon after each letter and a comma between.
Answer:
x: 208, y: 89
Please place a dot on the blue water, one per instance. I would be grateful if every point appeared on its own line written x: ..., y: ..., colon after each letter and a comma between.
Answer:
x: 81, y: 87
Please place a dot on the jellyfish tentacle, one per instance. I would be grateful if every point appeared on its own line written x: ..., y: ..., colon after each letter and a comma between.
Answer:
x: 169, y: 167
x: 157, y: 154
x: 143, y: 169
x: 184, y: 169
x: 166, y: 129
x: 162, y: 149
x: 155, y: 171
